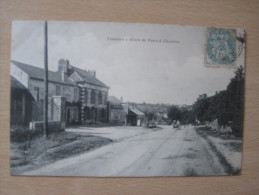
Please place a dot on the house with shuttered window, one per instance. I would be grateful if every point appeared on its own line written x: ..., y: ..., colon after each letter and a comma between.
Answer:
x: 93, y: 93
x: 75, y: 96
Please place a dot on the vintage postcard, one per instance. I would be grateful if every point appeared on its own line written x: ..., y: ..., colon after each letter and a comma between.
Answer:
x: 98, y: 99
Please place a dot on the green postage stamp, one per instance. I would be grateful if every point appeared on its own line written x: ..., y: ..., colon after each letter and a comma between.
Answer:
x: 223, y: 46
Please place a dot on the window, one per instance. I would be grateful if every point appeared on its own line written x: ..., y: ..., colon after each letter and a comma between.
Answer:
x: 75, y: 93
x: 57, y: 89
x: 37, y: 93
x: 92, y: 97
x: 75, y: 114
x: 100, y: 98
x: 112, y: 115
x: 66, y: 89
x: 86, y: 96
x: 105, y: 98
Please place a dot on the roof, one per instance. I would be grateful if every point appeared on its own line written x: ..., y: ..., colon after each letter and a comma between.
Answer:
x: 114, y: 100
x: 38, y: 73
x: 88, y: 78
x: 125, y: 107
x: 136, y: 111
x: 16, y: 84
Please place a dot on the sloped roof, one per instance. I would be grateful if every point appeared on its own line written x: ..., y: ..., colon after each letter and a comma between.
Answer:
x: 88, y: 78
x: 114, y: 100
x: 38, y: 73
x: 136, y: 111
x: 125, y: 107
x: 16, y: 84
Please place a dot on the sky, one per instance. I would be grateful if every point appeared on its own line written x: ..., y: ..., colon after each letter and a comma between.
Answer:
x: 128, y: 57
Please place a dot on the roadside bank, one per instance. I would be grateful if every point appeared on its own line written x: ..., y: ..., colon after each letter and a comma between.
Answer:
x: 227, y: 147
x: 32, y: 154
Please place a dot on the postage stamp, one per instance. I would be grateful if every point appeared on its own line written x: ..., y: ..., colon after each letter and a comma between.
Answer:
x: 221, y: 47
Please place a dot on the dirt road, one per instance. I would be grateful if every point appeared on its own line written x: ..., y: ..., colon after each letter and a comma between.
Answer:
x: 164, y: 152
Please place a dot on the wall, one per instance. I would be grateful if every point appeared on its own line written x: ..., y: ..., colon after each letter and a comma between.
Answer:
x: 116, y: 114
x: 53, y: 126
x: 65, y: 90
x: 20, y: 75
x: 21, y: 108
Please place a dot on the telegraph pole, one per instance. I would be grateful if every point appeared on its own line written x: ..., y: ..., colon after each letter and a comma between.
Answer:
x: 45, y: 108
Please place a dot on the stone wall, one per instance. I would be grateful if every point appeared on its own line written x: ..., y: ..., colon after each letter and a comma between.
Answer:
x: 52, y: 125
x: 36, y: 87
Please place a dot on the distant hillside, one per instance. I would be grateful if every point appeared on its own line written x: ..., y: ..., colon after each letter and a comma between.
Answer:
x: 157, y: 108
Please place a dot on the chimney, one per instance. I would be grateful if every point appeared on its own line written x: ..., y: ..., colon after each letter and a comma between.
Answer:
x: 63, y: 65
x: 64, y: 76
x: 92, y: 72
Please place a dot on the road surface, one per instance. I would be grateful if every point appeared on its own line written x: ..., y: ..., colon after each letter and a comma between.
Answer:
x: 163, y: 152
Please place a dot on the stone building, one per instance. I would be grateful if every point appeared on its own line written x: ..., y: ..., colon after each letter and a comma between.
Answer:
x: 75, y: 96
x: 21, y: 104
x: 61, y: 92
x: 93, y: 92
x: 117, y: 111
x: 120, y: 113
x: 135, y: 117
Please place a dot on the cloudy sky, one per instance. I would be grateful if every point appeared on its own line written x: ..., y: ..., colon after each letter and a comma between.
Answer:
x: 140, y: 70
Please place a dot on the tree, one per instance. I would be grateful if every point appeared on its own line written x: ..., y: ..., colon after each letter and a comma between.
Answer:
x: 200, y: 108
x: 226, y: 106
x: 187, y: 116
x: 174, y: 113
x: 235, y: 94
x: 150, y: 115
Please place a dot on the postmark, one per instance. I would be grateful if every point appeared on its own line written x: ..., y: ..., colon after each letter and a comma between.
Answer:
x: 221, y: 49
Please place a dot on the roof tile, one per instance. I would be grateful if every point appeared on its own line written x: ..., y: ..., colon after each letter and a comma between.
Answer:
x: 38, y: 73
x: 88, y: 78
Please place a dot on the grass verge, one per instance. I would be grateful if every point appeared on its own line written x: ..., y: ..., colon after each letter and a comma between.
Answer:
x: 207, y: 131
x: 32, y: 154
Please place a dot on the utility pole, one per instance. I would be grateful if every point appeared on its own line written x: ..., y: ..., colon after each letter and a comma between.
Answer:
x: 45, y: 110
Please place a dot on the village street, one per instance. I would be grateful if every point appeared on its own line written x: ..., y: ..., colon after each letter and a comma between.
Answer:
x: 147, y: 152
